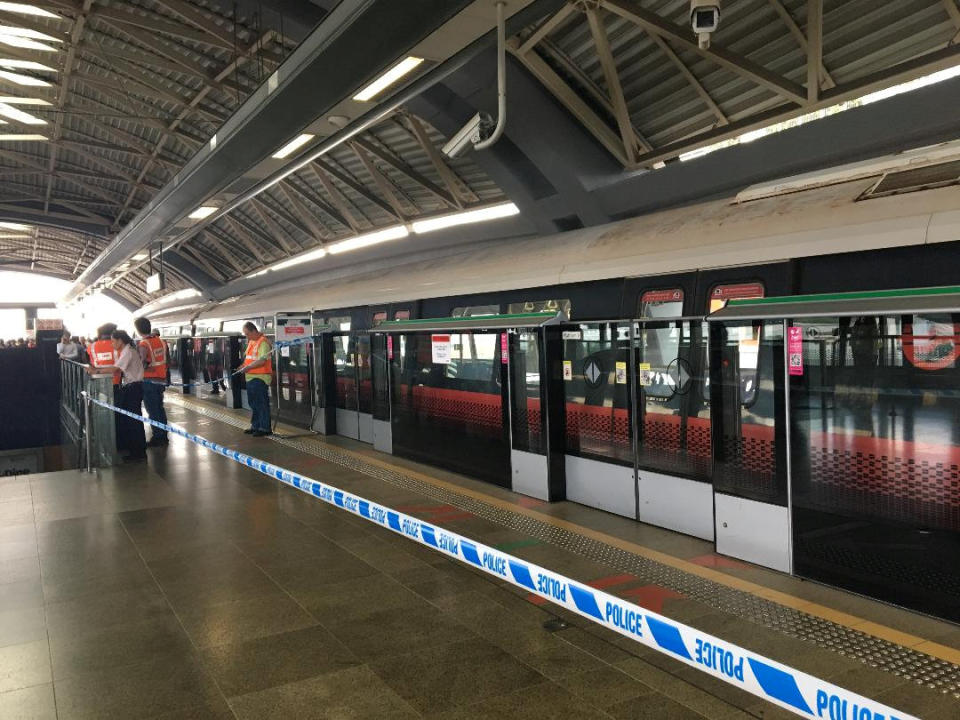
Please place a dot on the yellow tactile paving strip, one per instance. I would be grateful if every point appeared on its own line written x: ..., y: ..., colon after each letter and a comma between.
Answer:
x: 914, y: 642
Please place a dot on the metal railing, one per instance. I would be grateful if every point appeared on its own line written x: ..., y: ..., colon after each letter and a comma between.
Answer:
x: 91, y: 428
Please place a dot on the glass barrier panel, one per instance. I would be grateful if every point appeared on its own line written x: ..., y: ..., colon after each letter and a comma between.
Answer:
x: 674, y: 428
x: 875, y: 458
x: 447, y: 402
x: 525, y: 391
x: 380, y: 368
x: 748, y: 413
x: 364, y: 375
x: 598, y: 404
x: 345, y: 369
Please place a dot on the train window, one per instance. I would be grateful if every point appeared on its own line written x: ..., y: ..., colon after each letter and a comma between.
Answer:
x: 932, y: 342
x: 379, y: 317
x: 472, y: 355
x: 475, y: 311
x: 401, y: 315
x: 722, y: 294
x: 340, y: 323
x: 661, y: 303
x: 538, y: 306
x: 525, y: 391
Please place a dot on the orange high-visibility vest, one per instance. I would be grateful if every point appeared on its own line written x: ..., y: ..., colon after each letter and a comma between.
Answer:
x: 102, y: 354
x: 253, y: 355
x: 157, y: 370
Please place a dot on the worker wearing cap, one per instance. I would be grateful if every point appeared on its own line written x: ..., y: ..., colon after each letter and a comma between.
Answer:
x: 258, y: 369
x: 153, y: 353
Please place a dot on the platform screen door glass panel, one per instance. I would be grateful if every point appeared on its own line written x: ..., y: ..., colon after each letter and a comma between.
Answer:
x: 596, y: 358
x: 525, y: 391
x: 295, y: 381
x: 344, y: 367
x: 673, y: 430
x: 875, y: 458
x: 748, y: 410
x: 448, y: 405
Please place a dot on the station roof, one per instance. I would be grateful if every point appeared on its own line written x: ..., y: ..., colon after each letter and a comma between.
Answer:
x: 134, y: 93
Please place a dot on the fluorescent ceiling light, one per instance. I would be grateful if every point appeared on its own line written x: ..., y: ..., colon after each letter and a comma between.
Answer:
x: 391, y: 233
x: 293, y: 145
x: 14, y: 226
x: 15, y: 236
x: 388, y: 78
x: 25, y: 65
x: 465, y: 218
x: 140, y: 256
x: 299, y: 259
x: 202, y: 212
x: 25, y: 9
x: 23, y: 79
x: 11, y: 100
x: 26, y: 43
x: 20, y: 116
x: 27, y: 33
x: 22, y: 138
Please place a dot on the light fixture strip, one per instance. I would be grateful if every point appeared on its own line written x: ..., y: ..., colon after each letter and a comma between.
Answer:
x: 404, y: 67
x: 493, y: 212
x: 202, y: 212
x: 293, y: 146
x: 21, y: 79
x: 20, y: 116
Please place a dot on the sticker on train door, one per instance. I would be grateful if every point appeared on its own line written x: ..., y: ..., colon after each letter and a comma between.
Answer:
x: 389, y: 347
x: 441, y: 349
x: 621, y: 373
x: 504, y: 348
x: 568, y: 370
x: 795, y: 350
x: 644, y: 375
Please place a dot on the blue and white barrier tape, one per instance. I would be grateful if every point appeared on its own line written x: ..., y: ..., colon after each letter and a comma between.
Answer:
x: 791, y: 689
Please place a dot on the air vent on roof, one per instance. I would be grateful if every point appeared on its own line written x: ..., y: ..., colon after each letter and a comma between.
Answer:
x: 925, y: 178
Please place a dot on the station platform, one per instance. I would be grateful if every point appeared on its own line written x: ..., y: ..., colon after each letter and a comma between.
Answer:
x: 194, y: 587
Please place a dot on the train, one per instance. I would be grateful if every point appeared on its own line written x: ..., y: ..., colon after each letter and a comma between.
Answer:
x: 776, y: 372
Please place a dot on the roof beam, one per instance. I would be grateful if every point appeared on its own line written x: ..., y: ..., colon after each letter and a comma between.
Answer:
x: 545, y: 28
x: 383, y: 184
x: 302, y: 213
x: 404, y: 169
x: 691, y: 78
x: 621, y: 112
x: 738, y: 64
x: 315, y: 200
x: 457, y: 188
x: 152, y: 22
x: 288, y: 245
x: 335, y: 197
x: 814, y: 48
x: 193, y: 15
x: 953, y: 12
x: 76, y: 32
x: 826, y: 80
x: 572, y: 101
x: 358, y: 188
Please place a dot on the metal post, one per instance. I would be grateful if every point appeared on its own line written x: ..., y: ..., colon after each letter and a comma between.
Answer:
x: 86, y: 429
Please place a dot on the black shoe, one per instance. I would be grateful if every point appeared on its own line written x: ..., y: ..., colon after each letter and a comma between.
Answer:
x: 261, y: 433
x: 158, y: 442
x: 249, y: 431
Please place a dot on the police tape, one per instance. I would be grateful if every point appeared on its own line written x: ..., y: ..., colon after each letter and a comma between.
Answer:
x: 779, y: 684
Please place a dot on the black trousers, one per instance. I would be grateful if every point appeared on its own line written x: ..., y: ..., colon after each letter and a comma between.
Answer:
x: 131, y: 435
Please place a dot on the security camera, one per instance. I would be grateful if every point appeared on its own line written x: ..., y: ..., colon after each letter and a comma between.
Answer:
x: 475, y: 131
x: 704, y: 19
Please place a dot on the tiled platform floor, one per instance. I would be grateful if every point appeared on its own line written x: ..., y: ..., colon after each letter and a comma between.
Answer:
x: 192, y: 587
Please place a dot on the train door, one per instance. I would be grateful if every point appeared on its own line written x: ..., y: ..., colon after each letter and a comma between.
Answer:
x: 295, y: 369
x: 599, y: 416
x: 346, y: 399
x: 672, y: 426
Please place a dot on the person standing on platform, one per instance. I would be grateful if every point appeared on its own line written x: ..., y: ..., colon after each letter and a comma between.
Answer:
x: 258, y: 369
x: 66, y: 348
x: 153, y: 353
x: 130, y: 434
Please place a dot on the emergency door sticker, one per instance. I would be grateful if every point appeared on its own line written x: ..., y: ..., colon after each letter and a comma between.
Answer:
x: 644, y: 375
x: 441, y: 349
x: 621, y: 373
x: 504, y: 348
x: 568, y: 370
x: 572, y: 334
x: 285, y: 351
x: 795, y: 350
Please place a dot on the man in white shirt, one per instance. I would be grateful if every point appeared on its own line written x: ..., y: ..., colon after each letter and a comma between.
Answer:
x: 66, y: 348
